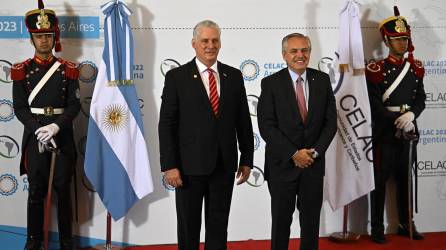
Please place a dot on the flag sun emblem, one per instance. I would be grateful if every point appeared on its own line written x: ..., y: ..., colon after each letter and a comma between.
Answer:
x: 115, y: 118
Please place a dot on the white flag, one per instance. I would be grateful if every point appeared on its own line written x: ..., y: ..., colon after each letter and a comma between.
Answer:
x: 351, y: 175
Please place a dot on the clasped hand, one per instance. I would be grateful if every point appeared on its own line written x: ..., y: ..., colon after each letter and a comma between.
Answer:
x: 45, y: 133
x: 302, y: 158
x: 404, y: 119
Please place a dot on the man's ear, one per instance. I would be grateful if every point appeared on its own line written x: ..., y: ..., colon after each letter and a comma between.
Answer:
x: 386, y: 41
x: 31, y: 40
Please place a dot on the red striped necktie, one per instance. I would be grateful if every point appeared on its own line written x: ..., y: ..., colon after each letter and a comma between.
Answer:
x: 301, y: 98
x: 213, y: 94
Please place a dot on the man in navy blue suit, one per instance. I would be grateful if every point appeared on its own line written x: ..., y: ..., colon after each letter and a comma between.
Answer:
x: 297, y: 119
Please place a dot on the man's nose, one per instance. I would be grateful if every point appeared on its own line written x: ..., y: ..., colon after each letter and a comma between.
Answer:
x: 211, y: 45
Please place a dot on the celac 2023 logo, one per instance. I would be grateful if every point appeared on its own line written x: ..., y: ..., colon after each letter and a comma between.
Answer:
x: 9, y: 148
x: 327, y: 65
x: 168, y: 64
x: 88, y: 71
x: 256, y: 178
x: 5, y: 71
x: 6, y: 110
x: 250, y: 70
x: 8, y: 184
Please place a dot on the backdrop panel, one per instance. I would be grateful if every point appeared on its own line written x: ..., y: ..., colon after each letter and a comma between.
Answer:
x: 251, y: 35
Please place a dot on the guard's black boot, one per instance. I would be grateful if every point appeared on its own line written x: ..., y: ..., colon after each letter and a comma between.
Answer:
x: 67, y: 244
x: 64, y: 217
x: 33, y: 244
x: 403, y: 230
x: 34, y: 218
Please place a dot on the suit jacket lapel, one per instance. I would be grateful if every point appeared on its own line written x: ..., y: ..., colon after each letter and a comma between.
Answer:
x: 223, y: 87
x: 289, y: 93
x: 197, y: 85
x: 312, y: 85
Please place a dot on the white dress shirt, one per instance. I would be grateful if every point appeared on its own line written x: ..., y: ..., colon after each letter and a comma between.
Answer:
x: 205, y: 75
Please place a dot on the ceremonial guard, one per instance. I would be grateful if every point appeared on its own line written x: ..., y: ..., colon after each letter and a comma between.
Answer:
x: 397, y: 99
x: 46, y: 100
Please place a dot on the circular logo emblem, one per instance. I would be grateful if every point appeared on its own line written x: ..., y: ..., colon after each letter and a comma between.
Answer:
x: 8, y: 184
x: 141, y: 103
x: 327, y: 65
x: 167, y: 65
x: 6, y: 110
x: 256, y: 178
x: 87, y: 72
x: 167, y: 186
x: 253, y: 100
x: 250, y: 70
x: 5, y: 71
x: 9, y: 148
x: 256, y: 141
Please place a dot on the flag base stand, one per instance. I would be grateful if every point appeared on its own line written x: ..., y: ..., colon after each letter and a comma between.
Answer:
x: 344, y: 236
x: 108, y: 245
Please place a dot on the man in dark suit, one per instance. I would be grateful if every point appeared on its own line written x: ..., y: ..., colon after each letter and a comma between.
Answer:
x: 204, y: 113
x: 297, y: 119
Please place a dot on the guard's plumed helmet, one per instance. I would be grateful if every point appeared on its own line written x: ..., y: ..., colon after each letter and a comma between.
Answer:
x: 43, y: 20
x: 396, y: 26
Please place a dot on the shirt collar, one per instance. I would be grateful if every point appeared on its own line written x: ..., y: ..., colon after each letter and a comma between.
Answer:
x: 202, y: 68
x: 294, y: 75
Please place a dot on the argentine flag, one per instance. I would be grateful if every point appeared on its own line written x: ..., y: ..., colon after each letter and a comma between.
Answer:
x: 116, y: 161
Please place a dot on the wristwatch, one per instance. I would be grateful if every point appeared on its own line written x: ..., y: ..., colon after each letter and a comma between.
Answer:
x: 315, y: 154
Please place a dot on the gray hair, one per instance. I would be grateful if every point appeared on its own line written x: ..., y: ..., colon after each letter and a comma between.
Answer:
x: 205, y: 23
x: 292, y: 35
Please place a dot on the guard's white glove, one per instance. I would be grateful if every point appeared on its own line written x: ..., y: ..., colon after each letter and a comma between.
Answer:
x: 409, y: 127
x: 45, y: 133
x: 43, y: 146
x: 404, y: 119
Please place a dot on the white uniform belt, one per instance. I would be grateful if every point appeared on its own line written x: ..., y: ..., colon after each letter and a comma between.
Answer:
x: 47, y: 111
x: 402, y: 108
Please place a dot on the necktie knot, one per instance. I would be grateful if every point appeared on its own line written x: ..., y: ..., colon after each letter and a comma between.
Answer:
x: 299, y: 80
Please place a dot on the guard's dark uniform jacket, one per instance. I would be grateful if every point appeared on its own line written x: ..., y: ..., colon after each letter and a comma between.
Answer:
x: 60, y: 93
x: 391, y: 152
x: 410, y: 92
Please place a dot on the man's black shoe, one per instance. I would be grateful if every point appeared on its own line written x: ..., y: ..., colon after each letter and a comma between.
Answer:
x: 378, y: 237
x: 403, y: 230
